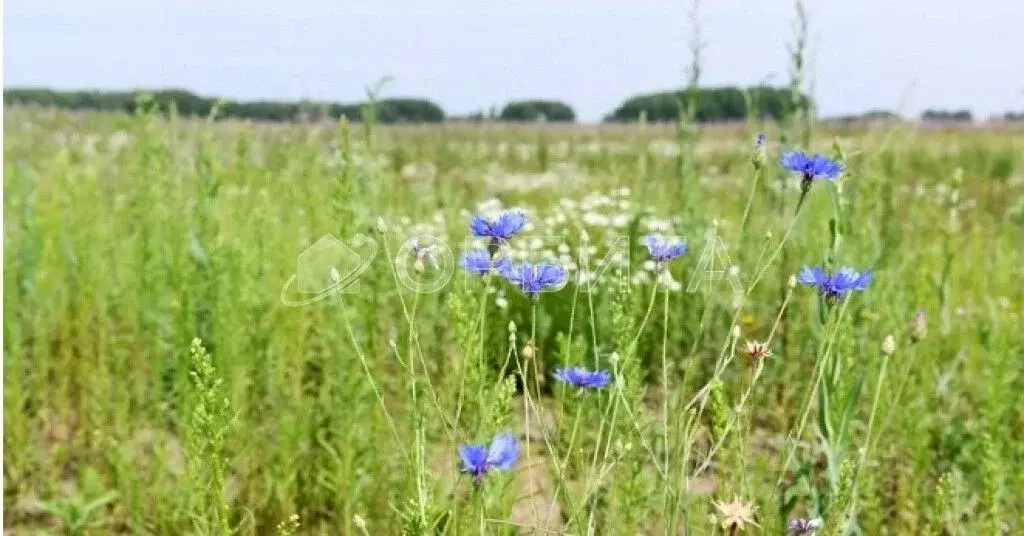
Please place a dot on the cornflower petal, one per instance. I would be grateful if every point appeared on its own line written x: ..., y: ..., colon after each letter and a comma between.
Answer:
x: 504, y: 452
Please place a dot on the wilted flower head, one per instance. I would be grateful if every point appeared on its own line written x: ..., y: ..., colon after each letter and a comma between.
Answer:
x: 499, y: 230
x: 757, y: 350
x: 811, y: 167
x: 533, y: 278
x: 835, y: 286
x: 582, y: 377
x: 662, y: 250
x: 479, y: 261
x: 478, y: 460
x: 735, y: 514
x: 804, y: 526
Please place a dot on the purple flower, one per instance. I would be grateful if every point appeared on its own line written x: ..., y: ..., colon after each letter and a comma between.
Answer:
x: 662, y: 250
x: 804, y: 526
x: 835, y: 286
x: 499, y: 230
x: 761, y: 139
x: 811, y: 167
x: 582, y: 377
x: 479, y: 261
x: 533, y: 278
x: 478, y: 459
x: 422, y: 254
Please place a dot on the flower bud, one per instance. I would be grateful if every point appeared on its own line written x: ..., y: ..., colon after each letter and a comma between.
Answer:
x: 381, y: 226
x: 759, y: 157
x: 889, y: 345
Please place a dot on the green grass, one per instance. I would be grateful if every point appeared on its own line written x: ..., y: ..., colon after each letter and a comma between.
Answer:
x: 126, y: 237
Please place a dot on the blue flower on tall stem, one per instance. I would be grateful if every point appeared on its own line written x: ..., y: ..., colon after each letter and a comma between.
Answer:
x: 533, y: 278
x: 811, y: 167
x: 478, y: 459
x: 499, y: 230
x: 663, y: 250
x: 582, y: 377
x: 835, y: 286
x: 480, y: 262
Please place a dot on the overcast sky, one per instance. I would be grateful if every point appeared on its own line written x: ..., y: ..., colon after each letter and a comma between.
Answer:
x: 471, y: 54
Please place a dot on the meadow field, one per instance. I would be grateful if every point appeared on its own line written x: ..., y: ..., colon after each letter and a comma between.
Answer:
x: 174, y: 364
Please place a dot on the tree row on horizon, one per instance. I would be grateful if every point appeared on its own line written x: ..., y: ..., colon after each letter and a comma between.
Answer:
x: 728, y: 103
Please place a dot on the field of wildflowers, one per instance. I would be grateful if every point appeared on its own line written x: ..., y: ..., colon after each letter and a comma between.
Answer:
x: 579, y: 330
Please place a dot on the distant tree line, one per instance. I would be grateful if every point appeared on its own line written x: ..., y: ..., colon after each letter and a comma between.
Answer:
x: 538, y: 110
x: 870, y: 115
x: 189, y: 104
x: 713, y: 104
x: 947, y: 115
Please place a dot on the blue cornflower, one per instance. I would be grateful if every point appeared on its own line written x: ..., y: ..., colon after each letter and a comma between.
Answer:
x: 811, y: 167
x: 499, y: 230
x: 582, y: 377
x: 836, y: 285
x: 663, y: 250
x: 478, y: 460
x: 761, y: 138
x: 479, y: 261
x: 533, y: 278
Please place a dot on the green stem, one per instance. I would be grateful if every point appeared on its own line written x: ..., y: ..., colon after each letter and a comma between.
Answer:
x: 481, y: 363
x: 867, y: 440
x: 819, y: 373
x: 647, y: 316
x: 785, y: 238
x: 750, y: 200
x: 449, y: 427
x: 664, y: 400
x: 373, y: 383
